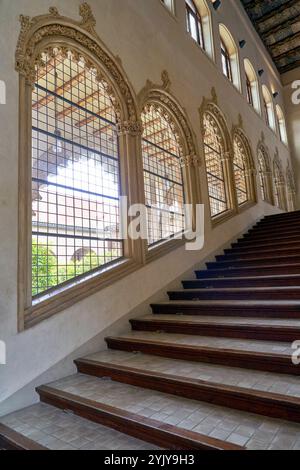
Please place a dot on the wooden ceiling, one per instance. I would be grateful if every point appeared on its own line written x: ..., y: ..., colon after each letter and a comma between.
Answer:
x: 278, y: 24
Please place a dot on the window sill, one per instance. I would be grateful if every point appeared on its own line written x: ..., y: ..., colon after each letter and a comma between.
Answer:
x: 245, y: 206
x: 220, y: 219
x: 63, y: 299
x: 163, y: 248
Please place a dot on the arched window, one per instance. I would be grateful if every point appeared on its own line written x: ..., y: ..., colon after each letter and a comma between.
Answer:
x: 252, y: 86
x: 243, y: 168
x: 265, y: 174
x: 281, y: 125
x: 229, y: 56
x: 75, y: 172
x: 199, y: 24
x: 163, y: 180
x: 214, y: 148
x: 73, y: 163
x: 268, y: 108
x: 291, y: 190
x: 279, y: 185
x: 169, y: 4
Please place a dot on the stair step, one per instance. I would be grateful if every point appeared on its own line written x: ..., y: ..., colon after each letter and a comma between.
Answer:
x: 258, y: 355
x: 247, y: 254
x: 254, y: 262
x: 227, y: 327
x: 263, y: 224
x: 238, y: 293
x: 155, y: 431
x: 271, y: 237
x: 285, y: 216
x: 291, y: 268
x: 12, y: 440
x: 285, y: 280
x: 246, y: 308
x: 253, y: 391
x: 283, y: 229
x: 184, y: 423
x: 58, y: 430
x: 243, y: 245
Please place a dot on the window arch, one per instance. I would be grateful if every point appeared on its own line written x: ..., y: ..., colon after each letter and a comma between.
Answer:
x: 265, y: 174
x: 218, y: 162
x: 281, y: 125
x: 230, y: 57
x: 243, y: 167
x: 83, y: 115
x: 268, y: 108
x: 252, y: 86
x: 279, y: 185
x: 291, y: 190
x: 167, y: 141
x: 199, y: 24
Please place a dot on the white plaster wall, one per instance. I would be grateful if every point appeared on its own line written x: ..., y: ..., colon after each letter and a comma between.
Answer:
x: 148, y: 40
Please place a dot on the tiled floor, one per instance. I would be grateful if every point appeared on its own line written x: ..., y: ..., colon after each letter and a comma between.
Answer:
x: 213, y: 342
x: 57, y: 430
x: 252, y: 431
x: 263, y: 381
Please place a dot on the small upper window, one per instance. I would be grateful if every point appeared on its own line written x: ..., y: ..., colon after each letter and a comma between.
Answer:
x: 169, y: 4
x: 252, y: 86
x: 199, y: 24
x: 194, y: 23
x: 268, y: 107
x: 230, y: 58
x: 281, y: 124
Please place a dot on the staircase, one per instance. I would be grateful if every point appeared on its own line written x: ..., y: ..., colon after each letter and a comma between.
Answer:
x: 209, y: 369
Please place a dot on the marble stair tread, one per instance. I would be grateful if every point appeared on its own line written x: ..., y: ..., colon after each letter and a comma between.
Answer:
x: 223, y: 375
x: 57, y: 430
x: 231, y: 426
x: 230, y: 303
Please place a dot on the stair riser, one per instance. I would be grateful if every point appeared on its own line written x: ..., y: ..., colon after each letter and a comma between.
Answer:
x: 211, y: 295
x: 245, y: 311
x: 223, y: 282
x: 253, y: 247
x: 272, y: 237
x: 281, y: 218
x: 223, y: 331
x: 220, y: 357
x: 284, y: 230
x: 256, y: 262
x: 232, y: 255
x: 222, y: 396
x: 277, y: 225
x: 261, y: 271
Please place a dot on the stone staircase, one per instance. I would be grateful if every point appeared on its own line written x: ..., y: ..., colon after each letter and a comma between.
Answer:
x: 211, y: 369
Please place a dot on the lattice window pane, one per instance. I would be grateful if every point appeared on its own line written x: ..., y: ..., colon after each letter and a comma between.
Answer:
x: 239, y: 169
x: 214, y: 167
x: 75, y: 174
x: 164, y: 192
x: 262, y: 173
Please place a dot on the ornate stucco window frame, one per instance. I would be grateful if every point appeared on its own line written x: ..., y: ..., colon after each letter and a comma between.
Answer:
x: 160, y: 96
x: 37, y: 34
x: 211, y: 106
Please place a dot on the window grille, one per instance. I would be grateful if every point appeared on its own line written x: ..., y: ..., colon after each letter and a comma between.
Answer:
x: 214, y: 167
x: 239, y: 169
x: 75, y: 174
x: 163, y: 181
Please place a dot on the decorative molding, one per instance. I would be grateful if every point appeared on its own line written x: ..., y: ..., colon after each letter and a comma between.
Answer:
x: 218, y: 121
x: 164, y: 103
x: 130, y: 128
x: 53, y: 30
